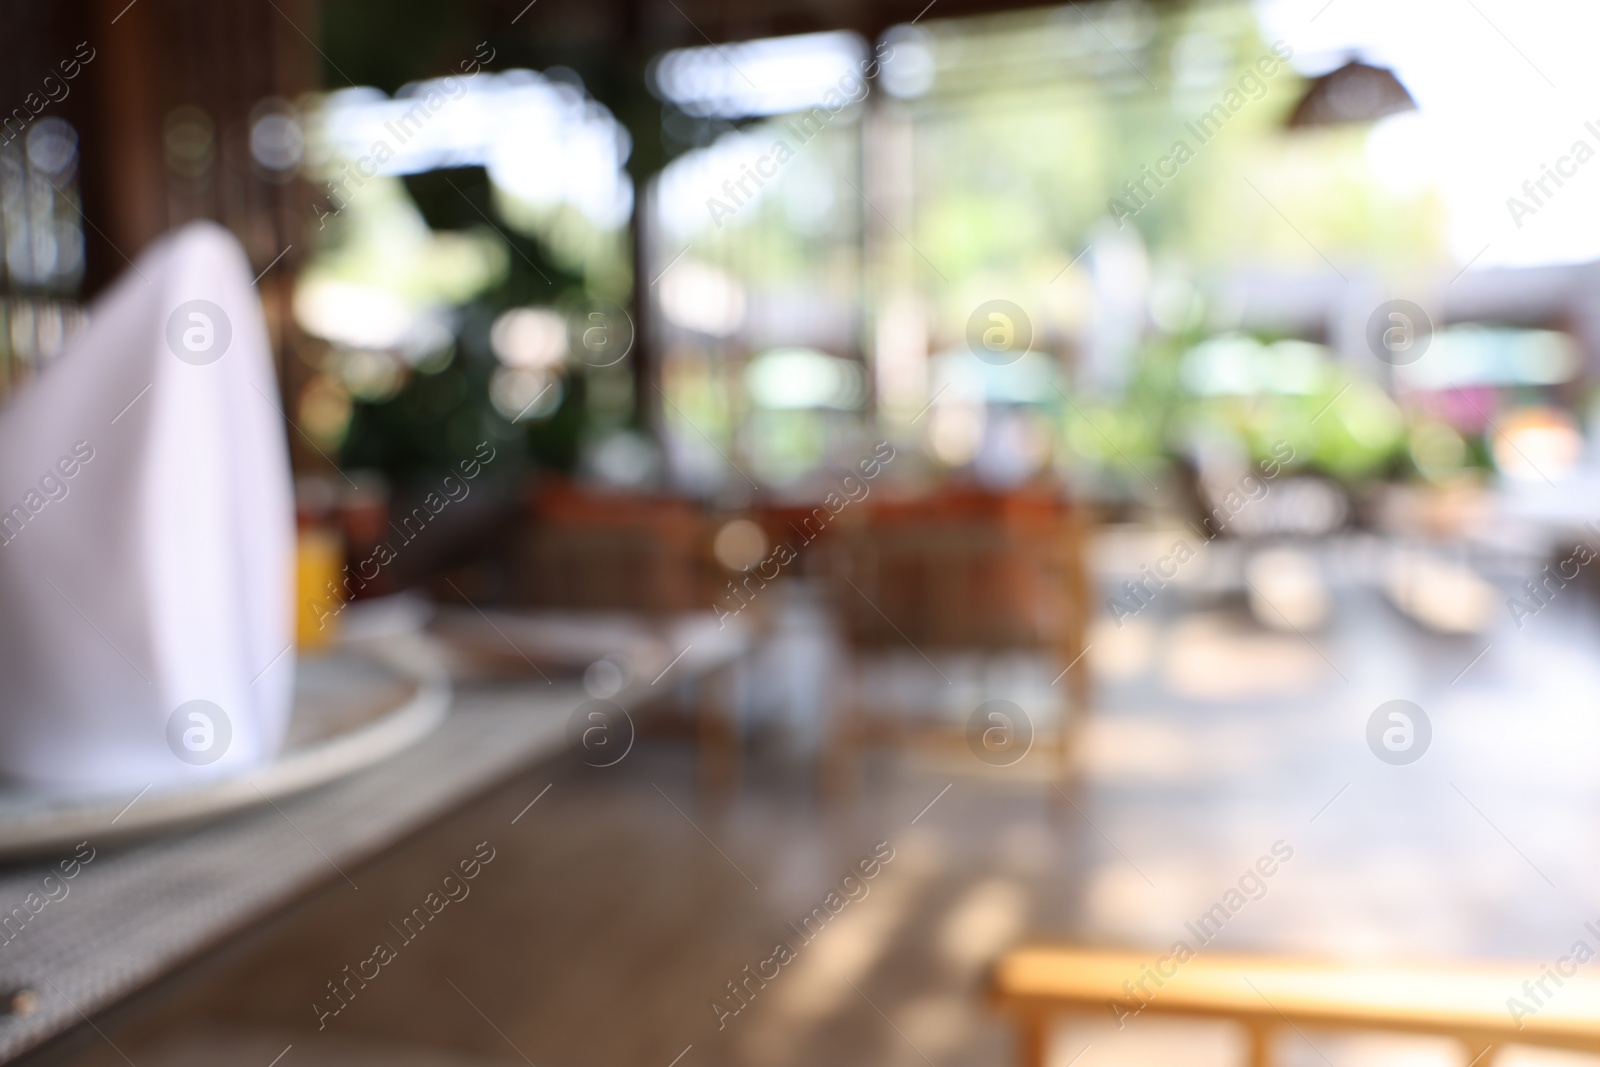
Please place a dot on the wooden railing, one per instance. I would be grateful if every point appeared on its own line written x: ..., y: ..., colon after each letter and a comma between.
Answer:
x: 1484, y: 1007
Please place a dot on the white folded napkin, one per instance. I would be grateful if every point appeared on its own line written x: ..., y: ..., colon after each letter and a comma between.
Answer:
x: 146, y: 536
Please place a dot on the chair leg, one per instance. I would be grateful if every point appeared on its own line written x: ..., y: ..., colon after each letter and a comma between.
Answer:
x: 1074, y: 707
x: 839, y: 763
x: 1066, y: 744
x: 719, y: 734
x: 1260, y: 1035
x: 1481, y: 1053
x: 1033, y: 1041
x: 1077, y: 682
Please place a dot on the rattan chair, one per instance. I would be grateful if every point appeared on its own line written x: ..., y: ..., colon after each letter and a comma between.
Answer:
x: 960, y: 571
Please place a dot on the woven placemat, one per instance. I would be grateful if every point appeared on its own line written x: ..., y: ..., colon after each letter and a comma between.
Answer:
x: 133, y: 913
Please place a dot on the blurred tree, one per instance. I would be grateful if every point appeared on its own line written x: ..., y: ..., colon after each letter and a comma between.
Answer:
x: 551, y: 260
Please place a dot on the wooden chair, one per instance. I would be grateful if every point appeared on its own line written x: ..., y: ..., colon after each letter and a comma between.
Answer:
x: 613, y: 551
x: 649, y: 554
x: 962, y: 570
x: 1037, y: 985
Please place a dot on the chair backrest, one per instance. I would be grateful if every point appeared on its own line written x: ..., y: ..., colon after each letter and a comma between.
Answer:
x: 1483, y: 1006
x: 960, y: 569
x: 613, y: 552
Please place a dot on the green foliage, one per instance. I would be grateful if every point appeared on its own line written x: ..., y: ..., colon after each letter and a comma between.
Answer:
x: 439, y: 416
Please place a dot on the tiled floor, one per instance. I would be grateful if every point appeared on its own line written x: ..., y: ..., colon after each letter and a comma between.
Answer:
x: 620, y: 905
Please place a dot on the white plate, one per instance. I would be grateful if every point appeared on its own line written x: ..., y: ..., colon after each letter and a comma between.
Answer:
x: 354, y: 707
